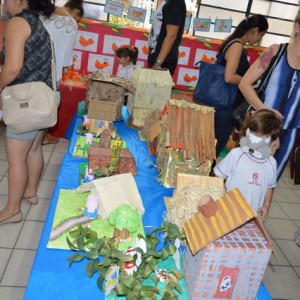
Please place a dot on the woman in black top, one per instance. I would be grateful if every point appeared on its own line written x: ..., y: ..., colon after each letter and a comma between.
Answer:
x: 27, y: 57
x: 249, y: 31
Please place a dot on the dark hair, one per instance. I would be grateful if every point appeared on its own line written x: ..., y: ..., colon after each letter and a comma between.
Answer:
x: 127, y: 50
x: 247, y: 24
x: 263, y: 121
x: 75, y: 4
x: 46, y: 7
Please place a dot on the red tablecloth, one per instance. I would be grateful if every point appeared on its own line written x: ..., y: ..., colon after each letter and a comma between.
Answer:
x: 70, y: 96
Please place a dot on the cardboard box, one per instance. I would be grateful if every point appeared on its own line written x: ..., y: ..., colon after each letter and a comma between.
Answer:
x: 102, y: 110
x: 228, y: 252
x: 231, y: 267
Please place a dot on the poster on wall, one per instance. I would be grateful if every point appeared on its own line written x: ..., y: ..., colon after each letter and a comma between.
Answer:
x: 143, y: 49
x: 205, y: 55
x: 77, y: 56
x: 187, y: 77
x: 223, y: 25
x: 201, y: 24
x: 184, y: 55
x: 114, y: 8
x: 86, y: 41
x: 136, y: 14
x: 112, y: 43
x: 100, y: 63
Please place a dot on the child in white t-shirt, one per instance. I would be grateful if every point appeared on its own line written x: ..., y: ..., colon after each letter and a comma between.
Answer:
x: 251, y: 167
x: 127, y: 56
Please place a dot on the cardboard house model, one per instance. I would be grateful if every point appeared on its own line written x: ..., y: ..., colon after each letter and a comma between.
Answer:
x: 152, y: 91
x: 105, y: 96
x: 228, y: 250
x: 106, y: 134
x: 185, y: 142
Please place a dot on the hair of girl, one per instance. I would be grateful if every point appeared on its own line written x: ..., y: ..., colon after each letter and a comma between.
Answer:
x: 46, y: 7
x: 244, y: 26
x: 75, y: 5
x: 128, y: 51
x: 264, y: 122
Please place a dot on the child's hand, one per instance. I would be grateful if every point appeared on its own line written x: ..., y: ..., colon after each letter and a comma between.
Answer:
x: 262, y: 213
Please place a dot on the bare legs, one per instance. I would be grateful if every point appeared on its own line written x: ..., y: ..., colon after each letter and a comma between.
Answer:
x: 25, y: 166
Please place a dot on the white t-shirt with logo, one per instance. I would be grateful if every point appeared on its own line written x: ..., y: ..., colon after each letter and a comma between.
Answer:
x: 252, y: 176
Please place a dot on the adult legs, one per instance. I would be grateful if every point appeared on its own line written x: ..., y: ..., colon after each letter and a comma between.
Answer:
x: 223, y: 128
x: 25, y: 164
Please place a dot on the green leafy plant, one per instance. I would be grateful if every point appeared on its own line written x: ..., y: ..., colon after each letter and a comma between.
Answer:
x: 102, y: 253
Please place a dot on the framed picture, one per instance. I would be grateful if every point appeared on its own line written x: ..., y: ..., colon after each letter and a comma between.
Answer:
x: 201, y: 24
x: 114, y: 8
x: 94, y: 11
x: 223, y: 25
x: 136, y: 14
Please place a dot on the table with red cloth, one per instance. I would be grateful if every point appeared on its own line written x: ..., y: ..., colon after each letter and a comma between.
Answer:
x: 71, y: 95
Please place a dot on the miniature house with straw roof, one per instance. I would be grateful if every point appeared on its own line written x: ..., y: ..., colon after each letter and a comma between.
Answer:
x: 106, y: 134
x: 152, y: 91
x: 186, y: 141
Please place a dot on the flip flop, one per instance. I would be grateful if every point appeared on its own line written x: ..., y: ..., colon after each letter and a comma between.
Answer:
x: 48, y: 139
x: 15, y: 218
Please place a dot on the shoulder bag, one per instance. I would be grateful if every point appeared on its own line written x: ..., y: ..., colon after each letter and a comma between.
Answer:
x: 211, y: 88
x: 30, y: 106
x: 239, y: 113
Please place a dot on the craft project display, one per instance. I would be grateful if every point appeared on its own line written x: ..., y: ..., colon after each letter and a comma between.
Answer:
x: 185, y: 141
x: 106, y: 96
x: 152, y: 91
x: 229, y: 266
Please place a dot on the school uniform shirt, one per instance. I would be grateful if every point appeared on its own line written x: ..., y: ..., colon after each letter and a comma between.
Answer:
x: 125, y: 72
x: 252, y: 176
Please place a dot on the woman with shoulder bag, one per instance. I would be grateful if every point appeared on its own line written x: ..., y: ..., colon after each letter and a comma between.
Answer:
x: 282, y: 93
x: 249, y: 31
x: 27, y: 58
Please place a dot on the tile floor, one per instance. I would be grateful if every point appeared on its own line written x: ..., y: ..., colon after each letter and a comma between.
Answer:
x: 18, y: 242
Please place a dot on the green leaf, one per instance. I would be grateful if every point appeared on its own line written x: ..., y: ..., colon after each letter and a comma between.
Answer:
x: 121, y: 256
x: 153, y: 253
x: 106, y: 262
x: 102, y: 271
x: 72, y: 258
x: 93, y: 254
x: 128, y: 281
x: 71, y: 246
x: 121, y: 289
x: 98, y: 244
x: 100, y: 282
x: 91, y: 268
x: 165, y: 253
x: 155, y: 279
x: 177, y: 274
x: 152, y: 265
x: 80, y: 243
x: 133, y: 296
x: 172, y: 249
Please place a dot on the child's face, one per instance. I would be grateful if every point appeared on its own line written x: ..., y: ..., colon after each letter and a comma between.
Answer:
x: 124, y: 61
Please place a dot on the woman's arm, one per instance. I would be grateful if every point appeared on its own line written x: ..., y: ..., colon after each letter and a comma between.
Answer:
x: 16, y: 34
x: 232, y: 58
x: 256, y: 70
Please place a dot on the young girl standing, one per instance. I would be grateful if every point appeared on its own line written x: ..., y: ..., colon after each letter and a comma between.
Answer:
x: 251, y: 167
x: 127, y: 56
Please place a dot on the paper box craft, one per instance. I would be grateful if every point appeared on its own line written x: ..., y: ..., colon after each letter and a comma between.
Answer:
x: 227, y: 253
x: 185, y: 141
x: 152, y: 91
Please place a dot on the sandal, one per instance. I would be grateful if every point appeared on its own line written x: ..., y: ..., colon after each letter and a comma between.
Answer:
x: 32, y: 200
x: 48, y: 139
x: 15, y: 218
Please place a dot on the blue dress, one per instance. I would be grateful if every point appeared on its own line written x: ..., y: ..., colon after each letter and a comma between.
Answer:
x: 283, y: 94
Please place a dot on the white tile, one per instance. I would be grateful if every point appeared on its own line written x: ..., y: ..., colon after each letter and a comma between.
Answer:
x: 51, y: 172
x: 277, y: 212
x: 282, y: 283
x: 285, y: 195
x: 18, y: 268
x: 282, y: 259
x: 3, y: 186
x: 4, y: 254
x: 62, y: 146
x: 2, y: 153
x: 47, y: 156
x: 285, y: 182
x: 3, y: 167
x: 38, y: 212
x: 12, y: 293
x: 297, y: 270
x: 45, y: 189
x: 291, y: 251
x: 56, y: 158
x: 48, y: 147
x: 30, y: 235
x: 291, y: 209
x: 280, y: 229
